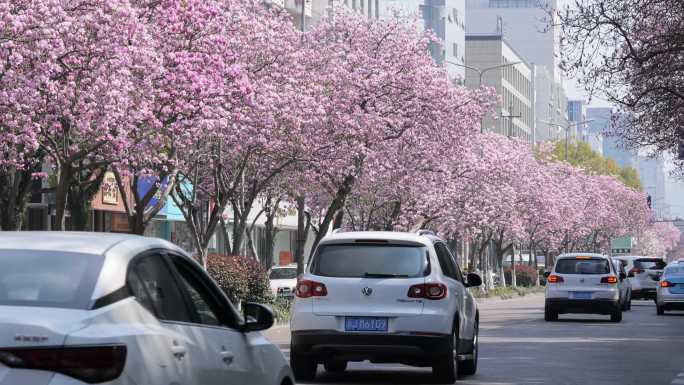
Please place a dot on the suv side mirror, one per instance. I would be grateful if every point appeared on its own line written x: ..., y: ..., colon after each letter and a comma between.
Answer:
x: 546, y: 274
x: 257, y: 317
x: 623, y: 276
x: 473, y: 280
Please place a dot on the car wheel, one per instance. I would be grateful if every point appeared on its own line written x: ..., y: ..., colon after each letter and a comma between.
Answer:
x: 469, y: 367
x: 335, y: 366
x: 303, y: 368
x: 660, y: 309
x: 616, y: 316
x: 550, y: 315
x: 445, y: 368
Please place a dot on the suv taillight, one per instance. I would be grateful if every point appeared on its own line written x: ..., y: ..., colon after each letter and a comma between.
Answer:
x: 91, y: 364
x: 611, y: 280
x: 306, y: 289
x: 666, y: 284
x: 555, y: 279
x: 428, y: 291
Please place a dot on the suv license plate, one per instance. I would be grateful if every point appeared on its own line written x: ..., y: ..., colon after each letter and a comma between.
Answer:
x: 365, y: 324
x: 580, y: 295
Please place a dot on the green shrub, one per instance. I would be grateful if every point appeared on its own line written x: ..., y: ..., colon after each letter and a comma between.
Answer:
x: 242, y: 279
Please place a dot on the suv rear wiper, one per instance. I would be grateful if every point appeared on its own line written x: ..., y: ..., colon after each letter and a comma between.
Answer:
x: 382, y: 275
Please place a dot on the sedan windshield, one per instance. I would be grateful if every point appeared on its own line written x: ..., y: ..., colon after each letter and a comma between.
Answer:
x: 46, y: 279
x: 674, y: 270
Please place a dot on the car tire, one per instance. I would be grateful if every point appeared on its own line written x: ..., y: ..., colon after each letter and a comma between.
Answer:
x: 616, y: 316
x: 660, y: 309
x: 445, y: 368
x: 335, y: 366
x: 550, y: 315
x: 469, y: 367
x: 303, y: 368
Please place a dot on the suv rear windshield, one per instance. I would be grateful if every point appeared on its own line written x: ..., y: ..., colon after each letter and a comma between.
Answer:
x: 46, y: 279
x: 371, y: 261
x: 650, y: 264
x: 582, y: 266
x: 284, y: 273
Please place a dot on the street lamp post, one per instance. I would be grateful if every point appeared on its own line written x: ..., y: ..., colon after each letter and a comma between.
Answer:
x: 481, y: 73
x: 567, y: 130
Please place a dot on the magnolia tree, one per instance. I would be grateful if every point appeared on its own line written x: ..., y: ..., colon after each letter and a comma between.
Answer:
x: 657, y: 240
x: 78, y: 75
x: 380, y: 92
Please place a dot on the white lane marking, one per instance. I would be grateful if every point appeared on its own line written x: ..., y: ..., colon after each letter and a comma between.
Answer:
x: 680, y: 375
x: 678, y: 382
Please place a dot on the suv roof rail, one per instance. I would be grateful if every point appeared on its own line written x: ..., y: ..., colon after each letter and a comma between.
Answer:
x: 425, y: 232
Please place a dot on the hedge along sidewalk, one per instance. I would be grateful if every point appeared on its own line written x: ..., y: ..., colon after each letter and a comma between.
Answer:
x: 507, y: 292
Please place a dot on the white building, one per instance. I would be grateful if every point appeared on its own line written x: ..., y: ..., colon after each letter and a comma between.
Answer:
x: 514, y: 83
x: 525, y: 25
x: 445, y: 18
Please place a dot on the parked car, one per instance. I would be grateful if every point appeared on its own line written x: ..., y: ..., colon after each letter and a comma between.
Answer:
x: 670, y: 294
x: 283, y: 280
x: 623, y: 285
x: 385, y: 297
x: 85, y: 308
x: 644, y: 274
x: 583, y: 283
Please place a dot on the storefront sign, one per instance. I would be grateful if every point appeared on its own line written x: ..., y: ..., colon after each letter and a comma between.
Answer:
x: 110, y: 190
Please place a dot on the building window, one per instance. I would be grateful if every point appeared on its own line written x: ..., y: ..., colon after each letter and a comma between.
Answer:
x: 455, y: 50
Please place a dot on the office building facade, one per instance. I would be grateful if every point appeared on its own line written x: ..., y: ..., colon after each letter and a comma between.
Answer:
x: 514, y: 84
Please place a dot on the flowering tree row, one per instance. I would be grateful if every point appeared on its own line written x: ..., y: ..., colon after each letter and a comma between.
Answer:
x: 224, y: 104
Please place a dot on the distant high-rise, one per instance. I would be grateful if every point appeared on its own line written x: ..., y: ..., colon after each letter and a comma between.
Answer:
x: 602, y: 120
x: 576, y: 118
x: 524, y: 24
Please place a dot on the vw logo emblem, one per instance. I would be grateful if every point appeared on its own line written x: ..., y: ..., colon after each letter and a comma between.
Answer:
x: 367, y: 291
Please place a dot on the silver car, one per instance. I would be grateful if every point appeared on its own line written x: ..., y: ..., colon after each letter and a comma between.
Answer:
x: 644, y: 274
x: 671, y: 288
x: 623, y: 285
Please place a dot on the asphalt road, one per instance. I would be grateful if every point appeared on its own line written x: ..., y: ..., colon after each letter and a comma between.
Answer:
x: 518, y: 347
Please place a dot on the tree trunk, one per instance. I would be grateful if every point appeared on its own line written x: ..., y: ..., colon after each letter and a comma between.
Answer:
x: 239, y: 227
x: 301, y: 234
x: 81, y: 192
x: 514, y: 280
x: 336, y: 205
x: 61, y: 195
x: 15, y: 190
x: 270, y: 233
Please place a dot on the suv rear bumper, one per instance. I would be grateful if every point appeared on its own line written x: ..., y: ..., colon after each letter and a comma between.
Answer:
x: 563, y: 306
x: 407, y: 348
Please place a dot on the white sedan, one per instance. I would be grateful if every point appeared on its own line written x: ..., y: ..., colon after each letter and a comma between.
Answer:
x: 122, y: 309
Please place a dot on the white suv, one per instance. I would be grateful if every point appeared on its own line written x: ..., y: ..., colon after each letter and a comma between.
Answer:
x: 583, y: 283
x: 644, y: 274
x: 387, y: 297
